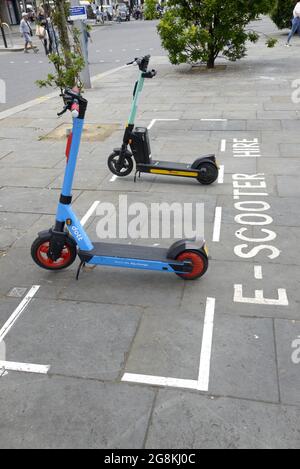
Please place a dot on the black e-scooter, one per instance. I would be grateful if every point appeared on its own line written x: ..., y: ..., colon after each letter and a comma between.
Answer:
x: 120, y: 162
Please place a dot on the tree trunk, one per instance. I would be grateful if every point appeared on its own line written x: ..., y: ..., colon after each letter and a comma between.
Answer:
x: 211, y: 59
x: 211, y: 49
x: 62, y: 26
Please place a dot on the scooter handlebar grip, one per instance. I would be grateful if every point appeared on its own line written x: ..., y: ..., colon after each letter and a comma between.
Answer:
x: 75, y: 110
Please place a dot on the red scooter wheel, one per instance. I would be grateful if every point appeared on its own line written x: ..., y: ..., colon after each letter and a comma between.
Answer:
x: 40, y: 255
x: 199, y: 261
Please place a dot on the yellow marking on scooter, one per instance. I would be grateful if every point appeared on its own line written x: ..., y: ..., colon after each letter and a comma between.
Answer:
x: 174, y: 173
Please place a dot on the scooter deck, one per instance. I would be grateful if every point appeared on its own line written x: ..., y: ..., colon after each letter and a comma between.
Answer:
x: 126, y: 251
x: 169, y: 165
x: 168, y: 168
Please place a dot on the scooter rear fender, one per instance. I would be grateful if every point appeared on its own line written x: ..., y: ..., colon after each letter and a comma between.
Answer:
x: 185, y: 245
x: 204, y: 159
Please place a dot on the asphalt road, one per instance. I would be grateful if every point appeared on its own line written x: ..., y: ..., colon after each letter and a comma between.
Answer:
x: 112, y: 46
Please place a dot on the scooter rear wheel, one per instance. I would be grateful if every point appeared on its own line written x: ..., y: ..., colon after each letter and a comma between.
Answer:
x: 199, y: 262
x: 209, y: 173
x: 113, y: 165
x: 40, y: 255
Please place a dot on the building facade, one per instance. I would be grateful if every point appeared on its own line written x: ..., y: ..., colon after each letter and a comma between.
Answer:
x: 11, y: 10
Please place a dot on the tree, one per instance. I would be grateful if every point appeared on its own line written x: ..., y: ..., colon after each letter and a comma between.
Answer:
x: 283, y: 13
x: 150, y: 12
x: 200, y: 30
x: 68, y: 61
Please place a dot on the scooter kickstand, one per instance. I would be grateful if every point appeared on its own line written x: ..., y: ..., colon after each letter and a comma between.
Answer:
x: 81, y: 266
x: 137, y: 173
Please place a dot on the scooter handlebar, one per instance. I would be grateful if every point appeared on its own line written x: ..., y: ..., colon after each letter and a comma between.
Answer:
x: 71, y: 102
x: 141, y: 62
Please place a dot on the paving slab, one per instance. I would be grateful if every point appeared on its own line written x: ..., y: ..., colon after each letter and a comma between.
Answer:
x: 264, y: 124
x: 243, y: 349
x: 26, y: 177
x: 168, y: 343
x: 288, y: 355
x: 290, y: 150
x: 42, y: 412
x: 227, y: 126
x: 279, y: 166
x: 288, y: 186
x: 13, y: 227
x: 220, y: 423
x: 80, y: 338
x: 29, y: 200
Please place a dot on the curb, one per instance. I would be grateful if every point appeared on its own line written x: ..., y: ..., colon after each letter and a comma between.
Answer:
x: 12, y: 49
x: 23, y: 107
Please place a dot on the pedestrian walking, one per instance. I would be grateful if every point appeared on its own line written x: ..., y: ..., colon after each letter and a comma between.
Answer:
x: 99, y: 15
x: 295, y: 24
x: 26, y: 31
x: 42, y: 30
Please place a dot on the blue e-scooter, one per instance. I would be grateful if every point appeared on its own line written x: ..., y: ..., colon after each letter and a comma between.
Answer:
x: 58, y: 247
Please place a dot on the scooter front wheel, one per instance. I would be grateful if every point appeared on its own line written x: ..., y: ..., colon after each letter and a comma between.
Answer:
x: 114, y: 166
x: 40, y: 254
x: 199, y: 261
x: 209, y: 173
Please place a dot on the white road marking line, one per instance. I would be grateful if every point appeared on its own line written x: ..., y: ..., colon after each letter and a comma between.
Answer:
x: 18, y: 311
x: 153, y: 122
x: 258, y: 272
x: 113, y: 178
x: 206, y: 349
x: 160, y: 381
x: 217, y: 225
x: 221, y: 174
x: 202, y: 384
x: 89, y: 213
x: 25, y: 367
x: 118, y: 61
x: 214, y: 120
x: 223, y: 144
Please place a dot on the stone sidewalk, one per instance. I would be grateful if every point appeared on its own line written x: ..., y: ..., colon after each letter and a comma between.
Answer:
x: 117, y: 322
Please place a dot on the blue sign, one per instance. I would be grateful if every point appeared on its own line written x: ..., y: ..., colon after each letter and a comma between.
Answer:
x: 78, y: 13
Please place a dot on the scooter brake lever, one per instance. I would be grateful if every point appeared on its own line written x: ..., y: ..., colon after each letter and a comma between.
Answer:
x: 59, y: 114
x: 134, y: 62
